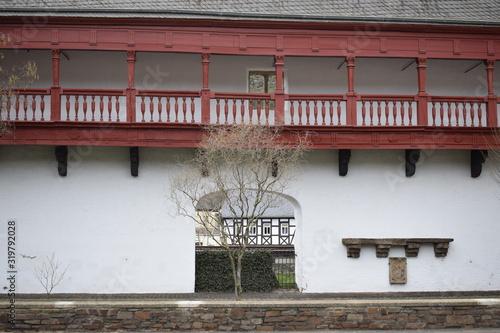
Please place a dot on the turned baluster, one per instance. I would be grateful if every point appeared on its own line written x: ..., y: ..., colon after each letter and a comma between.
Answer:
x: 300, y: 112
x: 308, y: 112
x: 184, y: 109
x: 226, y: 110
x: 92, y: 107
x: 371, y: 113
x: 25, y: 106
x: 151, y: 108
x: 323, y: 112
x: 242, y: 110
x: 395, y: 112
x: 84, y: 108
x: 448, y: 104
x: 235, y: 110
x: 176, y: 109
x: 315, y: 112
x: 480, y: 114
x: 410, y: 113
x: 117, y: 108
x: 363, y: 112
x: 168, y: 109
x: 379, y: 112
x: 160, y: 108
x: 101, y: 109
x: 68, y: 107
x: 143, y: 108
x: 110, y: 107
x: 217, y: 111
x: 387, y: 113
x: 9, y: 106
x: 266, y: 110
x: 433, y: 114
x: 473, y: 114
x: 192, y: 109
x: 339, y: 112
x: 42, y: 107
x: 33, y: 107
x: 259, y: 110
x: 464, y: 114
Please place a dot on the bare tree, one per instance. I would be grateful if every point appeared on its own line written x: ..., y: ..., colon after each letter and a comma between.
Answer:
x: 11, y: 81
x: 244, y: 168
x: 50, y: 274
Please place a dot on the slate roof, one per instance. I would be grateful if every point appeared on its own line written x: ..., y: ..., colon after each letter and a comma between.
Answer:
x: 463, y: 12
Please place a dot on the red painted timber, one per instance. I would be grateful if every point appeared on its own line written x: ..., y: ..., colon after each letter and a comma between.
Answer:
x: 189, y: 135
x: 370, y: 41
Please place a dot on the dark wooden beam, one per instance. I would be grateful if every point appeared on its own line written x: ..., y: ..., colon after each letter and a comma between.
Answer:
x: 134, y: 161
x: 62, y: 160
x: 344, y: 158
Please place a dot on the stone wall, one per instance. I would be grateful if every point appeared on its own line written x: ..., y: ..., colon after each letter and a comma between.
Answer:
x: 254, y: 315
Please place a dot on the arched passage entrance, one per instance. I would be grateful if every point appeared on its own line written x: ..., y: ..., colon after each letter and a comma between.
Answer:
x: 274, y: 230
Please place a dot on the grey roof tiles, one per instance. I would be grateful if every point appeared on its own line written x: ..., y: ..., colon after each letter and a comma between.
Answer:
x: 457, y: 11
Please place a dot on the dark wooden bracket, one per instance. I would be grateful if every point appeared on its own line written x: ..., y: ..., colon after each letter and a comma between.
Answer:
x: 411, y: 157
x: 477, y: 158
x: 134, y: 161
x: 62, y: 160
x: 383, y: 245
x: 344, y: 158
x: 203, y: 163
x: 274, y: 168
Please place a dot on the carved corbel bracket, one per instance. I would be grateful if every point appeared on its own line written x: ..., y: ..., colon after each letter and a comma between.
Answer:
x: 411, y: 156
x: 477, y: 158
x: 411, y: 249
x: 383, y: 245
x: 353, y: 251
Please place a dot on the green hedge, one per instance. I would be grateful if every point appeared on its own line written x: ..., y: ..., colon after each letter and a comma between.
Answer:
x: 213, y: 272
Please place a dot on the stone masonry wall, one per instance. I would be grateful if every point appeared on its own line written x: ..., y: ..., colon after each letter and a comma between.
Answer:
x: 246, y: 316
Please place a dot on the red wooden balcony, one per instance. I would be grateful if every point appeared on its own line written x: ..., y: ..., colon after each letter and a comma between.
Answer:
x: 174, y: 118
x: 419, y: 116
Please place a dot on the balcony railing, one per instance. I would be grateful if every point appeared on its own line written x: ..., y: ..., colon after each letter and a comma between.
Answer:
x: 188, y: 107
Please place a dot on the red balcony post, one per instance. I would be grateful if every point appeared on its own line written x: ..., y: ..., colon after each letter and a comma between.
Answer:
x: 205, y: 90
x: 492, y: 120
x: 131, y: 117
x: 55, y: 90
x: 351, y: 94
x: 423, y: 97
x: 279, y: 102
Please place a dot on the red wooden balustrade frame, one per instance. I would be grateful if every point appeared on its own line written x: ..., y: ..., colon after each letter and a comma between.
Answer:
x: 277, y: 39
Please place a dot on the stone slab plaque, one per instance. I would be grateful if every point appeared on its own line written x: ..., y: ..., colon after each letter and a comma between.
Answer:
x: 397, y: 270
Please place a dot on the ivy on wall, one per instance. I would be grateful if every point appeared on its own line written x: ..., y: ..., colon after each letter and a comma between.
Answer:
x: 213, y: 272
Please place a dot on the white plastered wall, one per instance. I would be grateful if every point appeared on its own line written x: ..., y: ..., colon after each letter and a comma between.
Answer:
x: 115, y: 231
x: 118, y: 236
x: 376, y: 200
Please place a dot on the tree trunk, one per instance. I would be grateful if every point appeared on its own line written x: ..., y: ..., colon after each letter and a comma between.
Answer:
x: 238, y: 275
x: 236, y: 268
